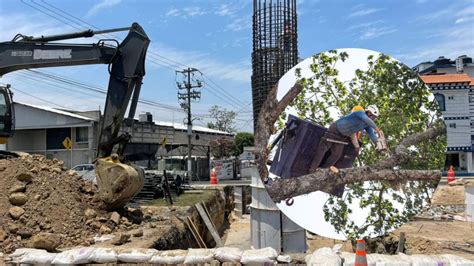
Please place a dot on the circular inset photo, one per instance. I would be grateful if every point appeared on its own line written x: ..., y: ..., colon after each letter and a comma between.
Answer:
x: 355, y: 144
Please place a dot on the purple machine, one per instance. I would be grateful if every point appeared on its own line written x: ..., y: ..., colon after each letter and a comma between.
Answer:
x: 298, y: 145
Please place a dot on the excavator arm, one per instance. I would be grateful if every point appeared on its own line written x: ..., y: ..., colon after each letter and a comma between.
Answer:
x: 118, y: 182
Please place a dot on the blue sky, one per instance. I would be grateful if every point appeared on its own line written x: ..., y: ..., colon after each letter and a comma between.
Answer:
x: 215, y: 37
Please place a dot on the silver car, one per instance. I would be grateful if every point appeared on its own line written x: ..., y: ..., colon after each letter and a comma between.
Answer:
x: 86, y: 171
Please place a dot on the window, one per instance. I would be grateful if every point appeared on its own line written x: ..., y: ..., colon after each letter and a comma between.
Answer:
x: 450, y: 97
x: 440, y: 99
x: 82, y: 134
x: 452, y: 125
x: 452, y: 159
x: 55, y: 138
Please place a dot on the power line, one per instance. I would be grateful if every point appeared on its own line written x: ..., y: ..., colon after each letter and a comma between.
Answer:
x: 18, y: 90
x: 96, y: 88
x: 51, y: 77
x: 153, y: 55
x: 175, y: 63
x: 225, y: 91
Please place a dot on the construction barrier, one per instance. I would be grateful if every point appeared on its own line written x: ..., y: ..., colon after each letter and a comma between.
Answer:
x: 320, y: 257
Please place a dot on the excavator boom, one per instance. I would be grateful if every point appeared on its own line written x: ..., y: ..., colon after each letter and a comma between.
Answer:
x: 118, y: 182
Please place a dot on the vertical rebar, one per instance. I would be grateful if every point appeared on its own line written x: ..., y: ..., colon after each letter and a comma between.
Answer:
x: 274, y: 46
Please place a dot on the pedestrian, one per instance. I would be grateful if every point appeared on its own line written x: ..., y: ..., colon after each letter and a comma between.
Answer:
x: 343, y: 131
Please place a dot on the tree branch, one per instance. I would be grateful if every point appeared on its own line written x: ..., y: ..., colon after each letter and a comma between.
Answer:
x: 401, y: 154
x: 326, y: 180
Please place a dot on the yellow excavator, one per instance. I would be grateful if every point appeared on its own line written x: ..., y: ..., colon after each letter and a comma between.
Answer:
x: 117, y: 180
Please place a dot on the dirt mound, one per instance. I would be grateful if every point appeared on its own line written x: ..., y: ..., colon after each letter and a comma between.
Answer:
x: 420, y: 245
x: 448, y: 195
x: 38, y: 198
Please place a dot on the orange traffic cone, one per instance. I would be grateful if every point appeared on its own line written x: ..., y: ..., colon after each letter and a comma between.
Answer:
x: 213, y: 176
x: 361, y: 254
x: 451, y: 176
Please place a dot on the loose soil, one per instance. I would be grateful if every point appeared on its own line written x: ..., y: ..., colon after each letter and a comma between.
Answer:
x: 55, y: 203
x: 437, y: 237
x: 60, y: 203
x: 448, y: 195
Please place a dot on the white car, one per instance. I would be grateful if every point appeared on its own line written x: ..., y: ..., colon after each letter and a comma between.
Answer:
x: 86, y: 171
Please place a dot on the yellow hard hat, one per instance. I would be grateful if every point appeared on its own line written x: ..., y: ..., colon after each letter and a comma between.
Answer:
x: 358, y: 108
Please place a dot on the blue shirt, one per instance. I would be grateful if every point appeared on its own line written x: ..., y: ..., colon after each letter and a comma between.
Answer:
x: 355, y: 122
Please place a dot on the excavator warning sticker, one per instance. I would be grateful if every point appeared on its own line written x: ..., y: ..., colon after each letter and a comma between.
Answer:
x: 22, y: 53
x: 52, y: 54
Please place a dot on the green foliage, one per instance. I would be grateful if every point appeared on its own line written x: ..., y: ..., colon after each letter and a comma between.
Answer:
x: 224, y: 119
x: 241, y: 140
x: 405, y: 108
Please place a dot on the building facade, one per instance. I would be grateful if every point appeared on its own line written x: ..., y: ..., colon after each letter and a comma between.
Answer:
x: 452, y: 83
x: 43, y: 130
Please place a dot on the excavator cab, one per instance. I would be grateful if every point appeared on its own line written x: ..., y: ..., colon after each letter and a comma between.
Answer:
x: 6, y: 114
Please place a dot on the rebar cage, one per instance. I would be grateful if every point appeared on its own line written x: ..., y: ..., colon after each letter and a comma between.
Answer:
x: 275, y: 48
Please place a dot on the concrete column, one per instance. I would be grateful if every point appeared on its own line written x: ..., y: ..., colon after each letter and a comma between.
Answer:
x: 91, y: 142
x: 469, y: 162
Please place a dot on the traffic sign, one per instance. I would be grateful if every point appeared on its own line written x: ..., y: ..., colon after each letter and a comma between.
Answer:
x: 67, y: 143
x: 164, y: 142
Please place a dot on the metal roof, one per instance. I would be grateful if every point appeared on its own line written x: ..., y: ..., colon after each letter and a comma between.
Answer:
x: 177, y: 126
x: 61, y: 112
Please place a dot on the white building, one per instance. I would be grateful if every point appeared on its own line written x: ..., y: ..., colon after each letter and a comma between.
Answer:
x: 42, y: 130
x: 455, y: 96
x: 442, y: 65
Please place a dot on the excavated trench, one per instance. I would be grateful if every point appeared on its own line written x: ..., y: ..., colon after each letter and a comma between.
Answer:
x: 179, y: 235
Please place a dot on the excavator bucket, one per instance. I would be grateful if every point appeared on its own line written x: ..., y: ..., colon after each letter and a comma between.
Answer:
x: 118, y: 182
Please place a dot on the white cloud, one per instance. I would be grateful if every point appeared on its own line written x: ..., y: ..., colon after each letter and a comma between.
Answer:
x: 102, y: 5
x: 225, y: 10
x: 374, y: 32
x: 371, y: 30
x: 173, y: 12
x: 30, y: 25
x: 194, y: 11
x: 365, y: 25
x: 364, y: 12
x: 239, y: 24
x: 454, y: 42
x: 465, y: 15
x: 238, y: 72
x: 186, y: 12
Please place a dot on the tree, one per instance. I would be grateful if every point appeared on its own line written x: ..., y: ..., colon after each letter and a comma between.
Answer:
x: 221, y: 147
x: 241, y: 140
x: 409, y: 118
x: 224, y: 119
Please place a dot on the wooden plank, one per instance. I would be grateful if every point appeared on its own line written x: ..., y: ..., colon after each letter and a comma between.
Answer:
x: 208, y: 224
x: 197, y: 232
x: 401, y: 243
x: 194, y: 234
x: 209, y: 215
x: 167, y: 187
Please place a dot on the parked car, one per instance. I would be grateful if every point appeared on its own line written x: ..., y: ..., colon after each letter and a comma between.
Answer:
x: 86, y: 171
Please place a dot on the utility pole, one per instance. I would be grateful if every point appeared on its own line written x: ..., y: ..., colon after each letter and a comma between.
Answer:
x: 189, y: 84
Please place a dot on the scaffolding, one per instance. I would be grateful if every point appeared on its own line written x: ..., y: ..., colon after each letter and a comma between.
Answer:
x: 275, y: 48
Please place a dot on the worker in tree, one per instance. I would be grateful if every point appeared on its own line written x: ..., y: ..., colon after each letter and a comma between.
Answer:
x: 343, y: 131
